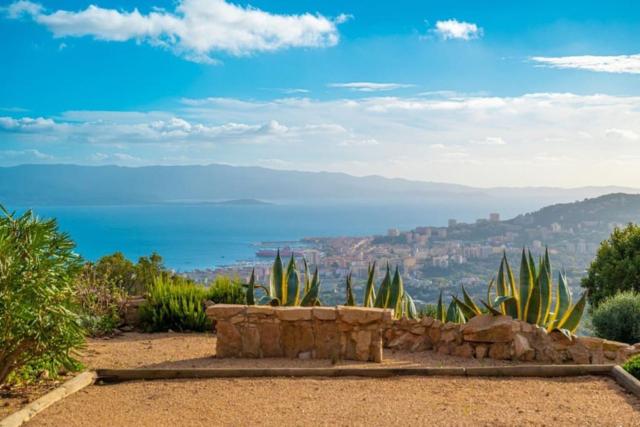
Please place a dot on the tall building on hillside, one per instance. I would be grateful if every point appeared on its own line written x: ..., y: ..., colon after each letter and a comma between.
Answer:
x: 393, y: 232
x: 494, y: 217
x: 452, y: 222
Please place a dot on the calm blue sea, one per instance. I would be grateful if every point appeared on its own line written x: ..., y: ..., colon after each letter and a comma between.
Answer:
x: 201, y: 236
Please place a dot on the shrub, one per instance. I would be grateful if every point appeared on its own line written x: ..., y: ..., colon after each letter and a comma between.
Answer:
x: 225, y: 290
x: 428, y: 310
x: 618, y: 318
x: 101, y: 300
x: 175, y: 303
x: 39, y: 327
x: 134, y: 279
x: 616, y: 267
x: 633, y: 366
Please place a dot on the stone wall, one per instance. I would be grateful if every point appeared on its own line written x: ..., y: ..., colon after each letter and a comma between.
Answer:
x: 501, y: 337
x: 299, y: 332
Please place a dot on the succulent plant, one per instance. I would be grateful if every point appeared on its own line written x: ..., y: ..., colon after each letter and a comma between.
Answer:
x: 531, y: 298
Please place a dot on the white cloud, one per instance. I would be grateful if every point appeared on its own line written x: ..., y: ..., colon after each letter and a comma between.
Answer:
x: 605, y: 64
x: 622, y: 134
x: 489, y: 140
x: 25, y: 155
x: 195, y: 30
x: 454, y: 29
x: 478, y: 140
x: 369, y: 86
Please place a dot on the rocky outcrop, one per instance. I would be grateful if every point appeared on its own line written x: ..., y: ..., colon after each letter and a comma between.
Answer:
x: 501, y: 337
x: 299, y: 332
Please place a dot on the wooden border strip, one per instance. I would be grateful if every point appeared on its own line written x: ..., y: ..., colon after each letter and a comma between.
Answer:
x: 626, y: 380
x: 69, y: 387
x: 118, y: 375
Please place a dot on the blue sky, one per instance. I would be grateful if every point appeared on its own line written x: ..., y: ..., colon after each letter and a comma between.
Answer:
x: 482, y: 93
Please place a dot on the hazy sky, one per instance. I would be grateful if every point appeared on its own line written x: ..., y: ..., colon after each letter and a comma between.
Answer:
x: 480, y: 93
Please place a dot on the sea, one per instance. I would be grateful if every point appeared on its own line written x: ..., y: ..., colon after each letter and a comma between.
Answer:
x: 200, y: 236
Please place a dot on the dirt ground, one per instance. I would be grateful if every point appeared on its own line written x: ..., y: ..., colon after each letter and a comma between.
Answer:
x: 319, y: 401
x: 174, y: 350
x: 444, y: 401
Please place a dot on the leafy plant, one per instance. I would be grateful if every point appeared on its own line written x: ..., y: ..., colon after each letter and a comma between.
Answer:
x: 531, y: 298
x: 226, y: 290
x: 175, y: 303
x: 616, y: 267
x: 618, y: 318
x: 39, y: 327
x: 633, y: 366
x: 100, y: 300
x: 391, y: 294
x: 285, y: 286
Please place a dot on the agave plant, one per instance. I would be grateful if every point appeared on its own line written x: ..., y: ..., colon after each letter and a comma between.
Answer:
x: 390, y: 294
x: 531, y: 298
x: 285, y: 285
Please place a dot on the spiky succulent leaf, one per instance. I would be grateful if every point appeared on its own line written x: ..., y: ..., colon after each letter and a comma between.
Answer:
x: 396, y: 292
x: 452, y: 312
x: 293, y: 287
x: 571, y: 318
x: 383, y: 292
x: 526, y: 285
x: 307, y: 278
x: 469, y: 302
x: 464, y: 307
x: 564, y: 296
x: 311, y: 298
x: 491, y: 309
x: 250, y: 296
x: 350, y: 300
x: 545, y: 283
x: 440, y: 313
x: 369, y: 290
x: 409, y: 307
x: 276, y: 279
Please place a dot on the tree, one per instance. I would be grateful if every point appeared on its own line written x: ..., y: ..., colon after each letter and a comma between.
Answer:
x: 39, y: 327
x: 616, y: 267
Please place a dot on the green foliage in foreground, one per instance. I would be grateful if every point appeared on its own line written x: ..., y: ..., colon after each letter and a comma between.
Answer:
x: 531, y: 298
x: 39, y: 327
x: 633, y: 366
x: 176, y: 303
x: 616, y: 267
x: 618, y: 318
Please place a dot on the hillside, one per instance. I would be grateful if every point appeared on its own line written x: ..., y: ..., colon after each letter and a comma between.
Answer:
x: 617, y: 208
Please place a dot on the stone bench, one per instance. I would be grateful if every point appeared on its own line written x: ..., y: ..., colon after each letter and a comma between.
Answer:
x: 336, y: 333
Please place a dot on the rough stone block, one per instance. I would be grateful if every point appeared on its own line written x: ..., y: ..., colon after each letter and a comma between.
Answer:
x: 464, y: 350
x: 360, y: 315
x: 229, y: 340
x: 250, y: 341
x: 325, y: 313
x: 225, y: 311
x: 291, y: 314
x: 270, y: 340
x: 488, y: 328
x: 260, y: 310
x: 327, y: 339
x: 522, y: 350
x: 500, y: 351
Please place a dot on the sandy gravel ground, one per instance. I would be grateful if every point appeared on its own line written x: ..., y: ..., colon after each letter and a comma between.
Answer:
x: 444, y: 401
x: 173, y: 350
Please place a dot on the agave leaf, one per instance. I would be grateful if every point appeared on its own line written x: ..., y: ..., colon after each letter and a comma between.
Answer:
x: 501, y: 300
x: 466, y: 310
x: 512, y: 307
x: 469, y: 302
x: 307, y: 278
x: 396, y: 292
x: 440, y: 314
x: 452, y: 312
x: 250, y: 288
x: 492, y: 282
x: 292, y: 296
x: 533, y: 309
x: 349, y: 288
x: 369, y: 297
x: 545, y: 289
x: 383, y: 293
x: 532, y: 266
x: 501, y: 284
x: 311, y: 297
x: 491, y: 309
x: 571, y: 318
x: 276, y: 279
x: 564, y: 296
x: 526, y: 285
x: 410, y: 307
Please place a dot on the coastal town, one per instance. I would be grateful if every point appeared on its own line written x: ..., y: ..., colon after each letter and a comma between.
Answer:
x: 434, y: 259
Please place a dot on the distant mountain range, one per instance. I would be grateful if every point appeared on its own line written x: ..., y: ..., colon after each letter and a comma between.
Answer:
x: 37, y: 185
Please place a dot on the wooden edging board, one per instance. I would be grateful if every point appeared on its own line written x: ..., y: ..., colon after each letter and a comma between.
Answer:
x: 69, y: 387
x: 117, y: 375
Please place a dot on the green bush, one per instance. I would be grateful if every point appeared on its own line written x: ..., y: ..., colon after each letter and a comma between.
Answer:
x: 225, y: 290
x: 633, y: 366
x: 618, y: 318
x: 428, y: 310
x: 39, y: 327
x: 101, y: 301
x: 616, y: 267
